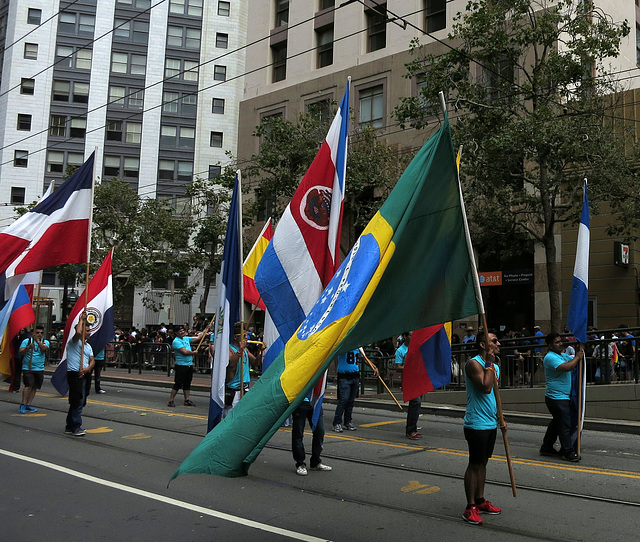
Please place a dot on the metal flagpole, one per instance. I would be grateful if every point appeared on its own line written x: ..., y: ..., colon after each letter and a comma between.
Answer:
x: 239, y: 219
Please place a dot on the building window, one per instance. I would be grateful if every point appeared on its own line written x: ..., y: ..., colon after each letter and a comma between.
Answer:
x: 64, y: 56
x: 140, y: 4
x: 187, y: 139
x: 27, y: 86
x: 185, y: 171
x: 192, y: 39
x: 435, y: 15
x: 186, y: 70
x: 55, y: 162
x: 130, y: 98
x: 17, y: 195
x: 119, y: 62
x: 178, y: 36
x: 189, y: 104
x: 83, y: 59
x: 372, y: 106
x: 57, y: 126
x: 186, y: 7
x: 279, y: 55
x: 31, y: 51
x: 80, y: 92
x: 131, y: 167
x: 376, y: 28
x: 111, y: 166
x: 24, y: 122
x: 282, y: 12
x: 34, y: 16
x: 78, y: 127
x: 76, y: 23
x: 134, y: 132
x: 326, y: 4
x: 224, y: 9
x: 220, y: 73
x: 165, y: 169
x: 214, y: 171
x: 135, y: 98
x: 218, y: 106
x: 86, y: 24
x: 126, y: 63
x: 170, y: 102
x: 20, y: 158
x: 190, y: 72
x: 215, y: 139
x: 321, y: 109
x: 114, y: 130
x: 138, y: 64
x: 222, y: 40
x: 61, y: 91
x: 67, y: 23
x: 136, y: 31
x: 498, y: 79
x: 324, y: 37
x: 168, y: 136
x: 175, y: 36
x: 75, y: 160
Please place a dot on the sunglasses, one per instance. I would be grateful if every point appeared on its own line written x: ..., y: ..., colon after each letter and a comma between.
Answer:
x: 494, y: 341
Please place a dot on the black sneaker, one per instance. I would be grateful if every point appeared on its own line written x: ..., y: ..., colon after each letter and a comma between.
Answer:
x: 571, y: 456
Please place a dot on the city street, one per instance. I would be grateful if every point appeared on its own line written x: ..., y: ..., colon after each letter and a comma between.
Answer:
x: 112, y: 482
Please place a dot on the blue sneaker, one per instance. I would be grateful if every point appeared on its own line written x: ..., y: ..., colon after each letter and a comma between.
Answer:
x: 23, y: 409
x: 31, y: 409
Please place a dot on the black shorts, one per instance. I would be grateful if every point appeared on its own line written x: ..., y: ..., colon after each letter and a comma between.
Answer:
x: 481, y: 442
x: 33, y: 379
x: 184, y: 374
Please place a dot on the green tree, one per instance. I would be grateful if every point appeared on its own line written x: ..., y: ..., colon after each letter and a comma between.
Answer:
x: 286, y: 151
x: 150, y: 240
x: 533, y: 106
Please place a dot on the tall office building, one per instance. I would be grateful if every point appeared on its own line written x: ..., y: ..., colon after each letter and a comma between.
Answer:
x: 313, y: 46
x: 154, y: 85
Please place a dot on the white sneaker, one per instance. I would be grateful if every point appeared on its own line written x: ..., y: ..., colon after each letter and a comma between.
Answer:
x: 301, y: 470
x: 322, y: 466
x: 337, y: 428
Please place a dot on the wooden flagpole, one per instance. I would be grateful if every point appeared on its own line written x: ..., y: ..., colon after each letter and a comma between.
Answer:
x: 480, y: 302
x: 383, y: 382
x: 579, y: 443
x: 239, y: 218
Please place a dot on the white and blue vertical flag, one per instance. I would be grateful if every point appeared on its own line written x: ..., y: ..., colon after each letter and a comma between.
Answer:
x: 578, y: 305
x: 229, y: 300
x: 304, y: 253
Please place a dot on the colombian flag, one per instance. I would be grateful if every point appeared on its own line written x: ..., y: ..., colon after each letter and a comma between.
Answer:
x: 251, y: 294
x: 21, y: 315
x: 409, y: 269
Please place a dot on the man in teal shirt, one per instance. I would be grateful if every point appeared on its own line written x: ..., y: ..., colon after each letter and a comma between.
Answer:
x: 557, y: 370
x: 33, y: 352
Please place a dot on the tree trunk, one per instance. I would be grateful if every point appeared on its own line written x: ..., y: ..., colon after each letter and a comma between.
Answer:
x: 553, y: 282
x: 205, y: 294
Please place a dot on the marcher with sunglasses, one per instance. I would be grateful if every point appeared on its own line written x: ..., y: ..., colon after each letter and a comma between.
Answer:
x: 480, y: 424
x: 33, y: 352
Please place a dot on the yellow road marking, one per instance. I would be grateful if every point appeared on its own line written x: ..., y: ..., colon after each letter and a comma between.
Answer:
x: 30, y: 415
x: 378, y: 424
x: 417, y: 488
x: 137, y: 436
x: 100, y: 430
x: 352, y: 438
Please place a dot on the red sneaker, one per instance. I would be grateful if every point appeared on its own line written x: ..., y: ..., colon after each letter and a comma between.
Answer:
x: 487, y: 508
x: 471, y: 516
x: 414, y: 436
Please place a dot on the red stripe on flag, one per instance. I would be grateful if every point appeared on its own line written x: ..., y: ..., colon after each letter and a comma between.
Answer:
x: 310, y: 208
x: 12, y: 247
x: 251, y: 293
x: 415, y: 376
x: 65, y: 242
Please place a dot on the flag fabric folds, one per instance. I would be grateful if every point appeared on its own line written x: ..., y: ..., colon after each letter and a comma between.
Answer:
x: 54, y: 232
x: 18, y: 313
x: 251, y: 294
x: 304, y: 252
x: 409, y: 269
x: 579, y: 302
x: 229, y: 301
x: 427, y: 365
x: 99, y: 295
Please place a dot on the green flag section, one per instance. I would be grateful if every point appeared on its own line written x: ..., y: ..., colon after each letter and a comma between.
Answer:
x: 409, y: 269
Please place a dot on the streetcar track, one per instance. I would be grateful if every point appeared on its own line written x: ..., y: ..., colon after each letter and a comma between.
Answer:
x: 342, y: 457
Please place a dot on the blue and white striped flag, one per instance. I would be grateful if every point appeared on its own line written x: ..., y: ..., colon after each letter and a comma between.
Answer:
x: 229, y: 300
x: 579, y: 303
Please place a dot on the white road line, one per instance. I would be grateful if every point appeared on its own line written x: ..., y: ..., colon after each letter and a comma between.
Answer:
x: 168, y: 500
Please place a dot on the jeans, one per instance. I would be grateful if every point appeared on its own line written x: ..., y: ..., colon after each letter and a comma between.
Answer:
x: 560, y: 425
x: 413, y: 414
x: 76, y: 400
x: 347, y: 393
x: 300, y: 415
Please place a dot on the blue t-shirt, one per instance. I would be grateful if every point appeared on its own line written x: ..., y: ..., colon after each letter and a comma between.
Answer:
x: 401, y: 353
x: 234, y: 383
x: 348, y: 363
x: 36, y: 356
x: 482, y: 410
x: 182, y: 359
x: 99, y: 356
x: 558, y: 382
x: 73, y: 354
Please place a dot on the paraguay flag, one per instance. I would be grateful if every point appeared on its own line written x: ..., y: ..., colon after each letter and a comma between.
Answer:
x: 54, y: 232
x: 229, y: 303
x: 409, y: 269
x: 427, y: 365
x: 18, y: 313
x: 579, y: 303
x: 99, y: 299
x: 251, y: 294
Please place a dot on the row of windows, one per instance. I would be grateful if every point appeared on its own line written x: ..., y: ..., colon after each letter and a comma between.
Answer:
x: 376, y: 19
x: 73, y: 57
x: 70, y: 91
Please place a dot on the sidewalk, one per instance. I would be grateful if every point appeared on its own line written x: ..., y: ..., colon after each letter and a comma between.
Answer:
x: 370, y: 399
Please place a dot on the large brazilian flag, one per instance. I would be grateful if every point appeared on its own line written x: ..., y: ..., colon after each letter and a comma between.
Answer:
x: 409, y: 269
